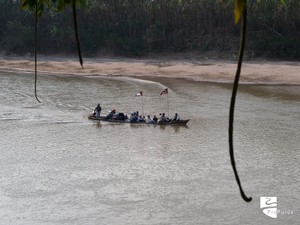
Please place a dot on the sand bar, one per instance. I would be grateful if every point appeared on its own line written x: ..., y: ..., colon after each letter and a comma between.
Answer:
x: 220, y: 71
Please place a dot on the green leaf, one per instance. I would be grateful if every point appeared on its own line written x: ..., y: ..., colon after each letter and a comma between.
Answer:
x: 60, y: 5
x: 283, y: 2
x: 239, y: 6
x: 30, y: 5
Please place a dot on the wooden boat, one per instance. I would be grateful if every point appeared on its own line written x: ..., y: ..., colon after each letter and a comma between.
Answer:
x: 171, y: 122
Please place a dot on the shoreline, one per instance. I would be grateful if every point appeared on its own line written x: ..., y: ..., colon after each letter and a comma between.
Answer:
x: 216, y: 71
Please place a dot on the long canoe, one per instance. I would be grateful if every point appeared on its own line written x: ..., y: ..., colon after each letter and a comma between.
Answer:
x: 171, y: 122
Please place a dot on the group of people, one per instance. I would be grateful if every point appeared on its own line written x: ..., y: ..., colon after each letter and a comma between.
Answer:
x: 162, y: 118
x: 135, y: 117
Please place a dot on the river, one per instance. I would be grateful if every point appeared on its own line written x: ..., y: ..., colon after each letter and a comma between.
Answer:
x: 58, y: 167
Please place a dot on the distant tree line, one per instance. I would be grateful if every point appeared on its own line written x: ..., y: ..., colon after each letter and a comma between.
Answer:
x: 139, y: 27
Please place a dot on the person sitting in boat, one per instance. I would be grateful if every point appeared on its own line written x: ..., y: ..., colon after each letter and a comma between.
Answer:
x: 121, y: 116
x: 133, y: 117
x: 176, y: 117
x: 115, y: 116
x: 163, y: 118
x: 149, y: 120
x: 110, y: 115
x: 141, y: 119
x: 97, y: 111
x: 155, y: 119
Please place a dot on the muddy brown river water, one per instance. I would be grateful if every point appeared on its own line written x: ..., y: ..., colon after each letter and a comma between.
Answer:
x: 58, y: 167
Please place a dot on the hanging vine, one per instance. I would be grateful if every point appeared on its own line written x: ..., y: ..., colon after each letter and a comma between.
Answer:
x: 240, y: 12
x: 37, y: 7
x: 35, y: 52
x: 76, y: 33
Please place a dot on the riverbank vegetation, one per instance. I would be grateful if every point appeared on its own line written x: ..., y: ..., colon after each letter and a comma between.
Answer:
x: 140, y: 27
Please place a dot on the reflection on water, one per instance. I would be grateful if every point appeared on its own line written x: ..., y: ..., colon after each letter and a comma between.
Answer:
x: 57, y: 167
x: 284, y: 93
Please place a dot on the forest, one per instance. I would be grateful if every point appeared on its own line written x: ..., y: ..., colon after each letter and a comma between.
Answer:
x: 141, y: 27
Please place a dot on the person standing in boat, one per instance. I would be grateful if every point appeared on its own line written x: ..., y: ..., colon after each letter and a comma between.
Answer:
x: 98, y: 110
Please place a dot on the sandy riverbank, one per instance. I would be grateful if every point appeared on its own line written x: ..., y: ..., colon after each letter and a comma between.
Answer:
x: 259, y: 72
